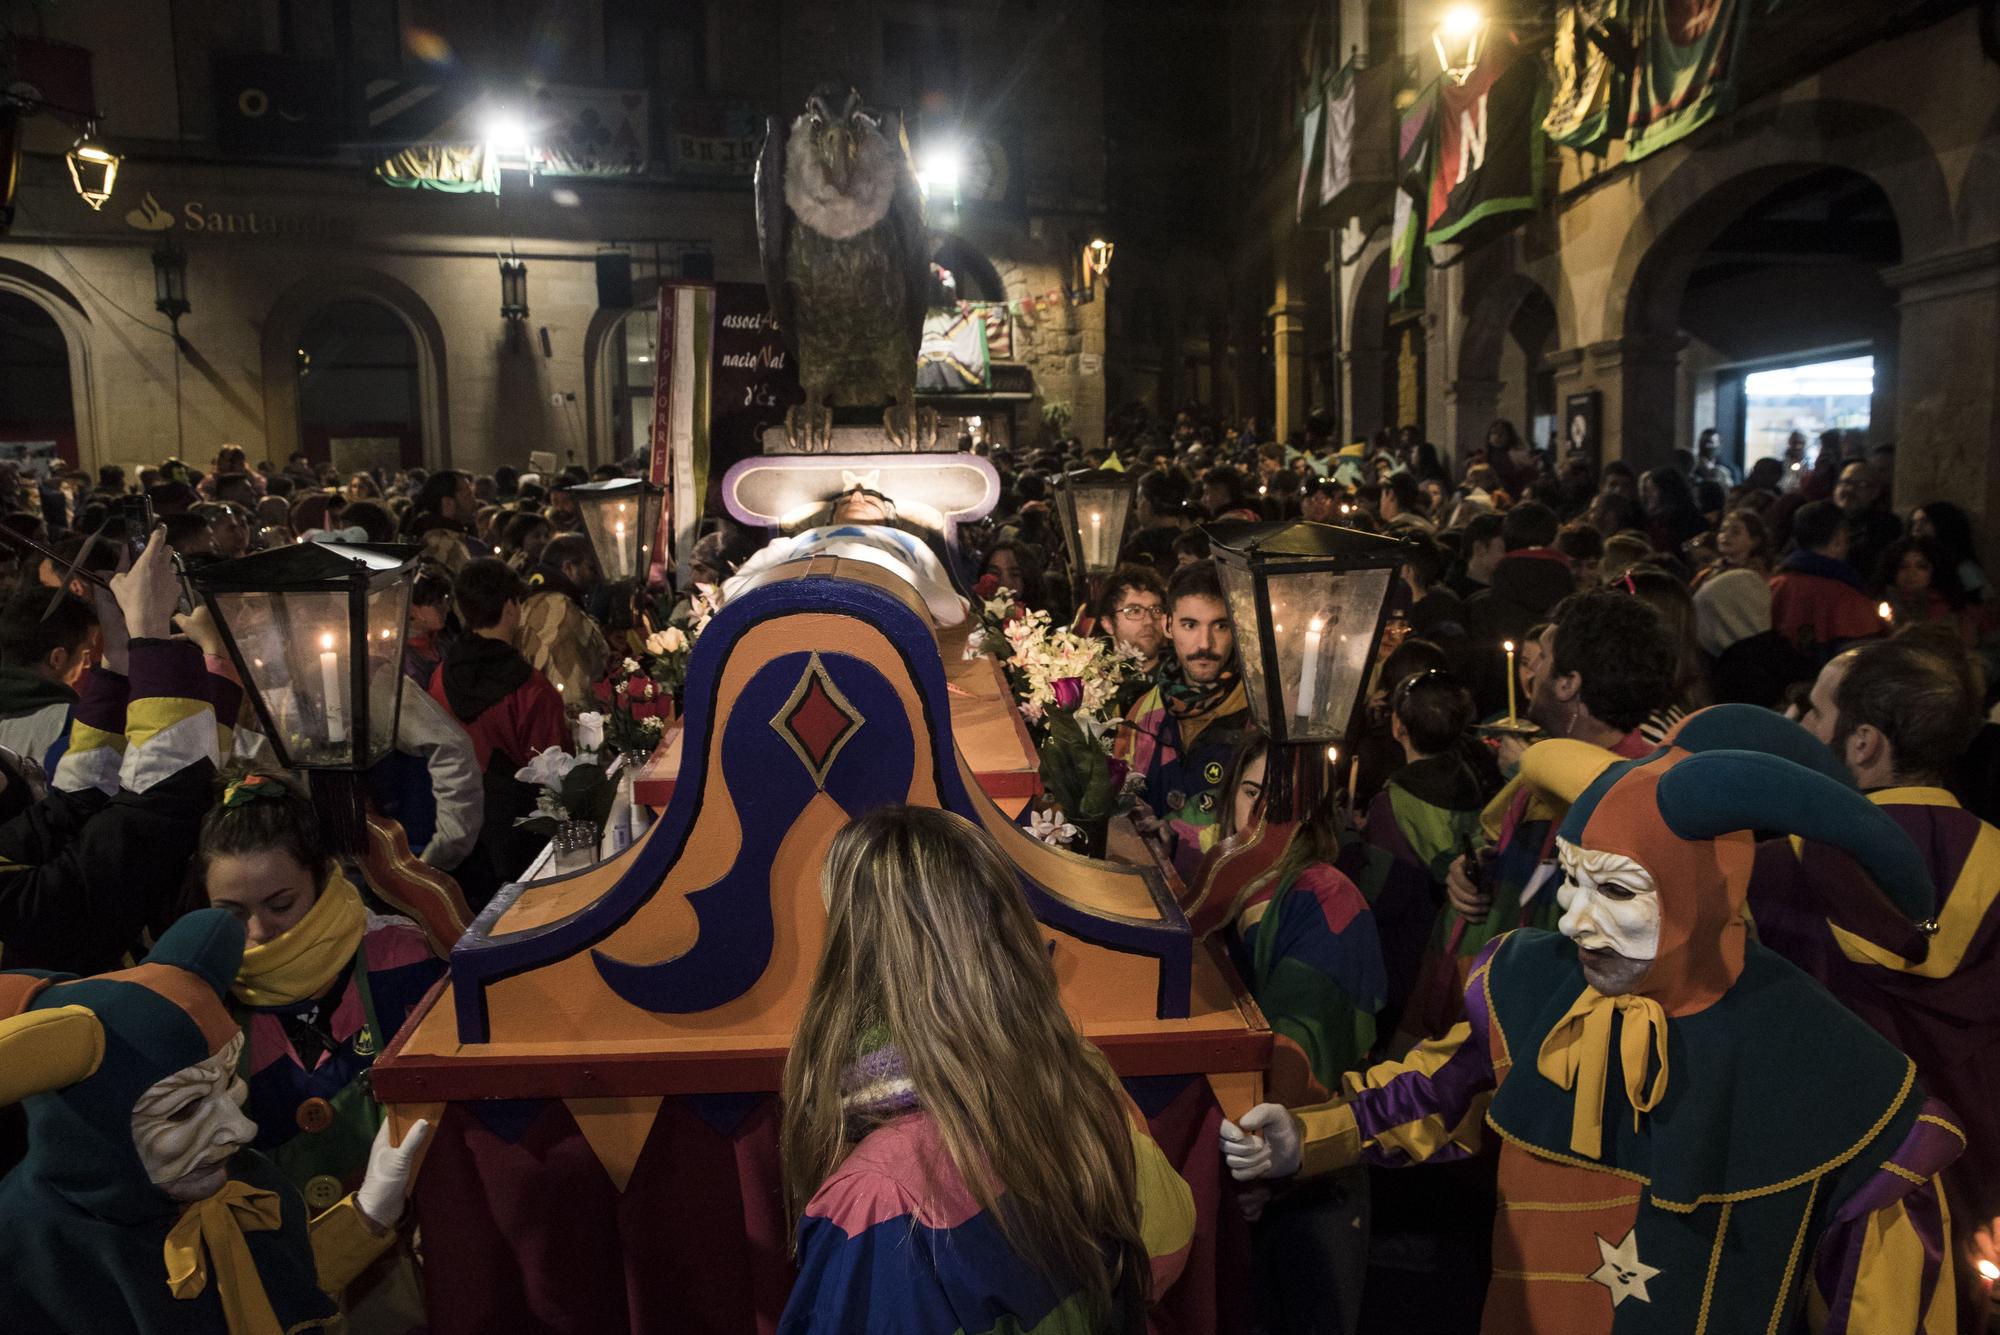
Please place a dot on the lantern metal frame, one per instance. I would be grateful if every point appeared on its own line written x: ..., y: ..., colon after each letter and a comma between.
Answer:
x: 648, y: 497
x: 1463, y: 23
x: 357, y: 570
x: 87, y: 156
x: 170, y: 296
x: 1068, y: 512
x: 513, y: 289
x: 1301, y: 547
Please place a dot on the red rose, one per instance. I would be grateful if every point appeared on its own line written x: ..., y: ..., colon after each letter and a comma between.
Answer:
x: 987, y: 586
x: 602, y: 691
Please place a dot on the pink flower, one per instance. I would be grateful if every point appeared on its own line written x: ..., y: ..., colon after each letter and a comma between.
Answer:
x: 1068, y: 691
x: 1119, y: 769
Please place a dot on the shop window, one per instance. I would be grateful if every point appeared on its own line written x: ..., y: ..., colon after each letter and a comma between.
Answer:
x: 37, y: 412
x: 360, y: 388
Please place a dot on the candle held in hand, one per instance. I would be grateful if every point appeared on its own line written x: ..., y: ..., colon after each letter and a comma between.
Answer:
x: 1508, y: 645
x: 336, y: 704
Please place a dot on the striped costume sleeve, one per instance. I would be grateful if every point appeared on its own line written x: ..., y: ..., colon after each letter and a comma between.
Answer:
x: 170, y: 723
x: 1425, y: 1108
x: 96, y: 735
x: 1885, y: 1260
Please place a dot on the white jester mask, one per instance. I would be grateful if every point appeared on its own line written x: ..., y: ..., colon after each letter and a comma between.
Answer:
x: 187, y: 1125
x: 1611, y: 910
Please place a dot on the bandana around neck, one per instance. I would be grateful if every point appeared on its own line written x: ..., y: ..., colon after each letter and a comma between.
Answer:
x: 304, y: 960
x: 1184, y: 698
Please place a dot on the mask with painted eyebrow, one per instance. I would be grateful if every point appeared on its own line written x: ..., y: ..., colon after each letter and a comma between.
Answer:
x: 1625, y: 924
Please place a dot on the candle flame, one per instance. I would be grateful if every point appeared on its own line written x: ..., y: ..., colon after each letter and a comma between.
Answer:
x: 1508, y: 645
x: 326, y: 642
x: 1333, y: 755
x: 1987, y: 1270
x: 1317, y: 625
x: 1886, y: 612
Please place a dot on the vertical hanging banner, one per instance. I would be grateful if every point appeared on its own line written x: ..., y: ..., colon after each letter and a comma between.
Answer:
x: 1309, y: 158
x: 1687, y: 55
x: 1414, y: 128
x: 1489, y: 144
x: 1589, y: 96
x: 1358, y: 165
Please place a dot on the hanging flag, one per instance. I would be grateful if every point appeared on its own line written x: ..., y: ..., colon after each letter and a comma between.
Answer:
x: 1358, y: 167
x: 1591, y: 57
x: 1309, y: 151
x: 712, y: 139
x: 590, y: 131
x: 456, y: 169
x: 953, y: 358
x: 1414, y: 128
x: 1489, y: 144
x: 1687, y: 53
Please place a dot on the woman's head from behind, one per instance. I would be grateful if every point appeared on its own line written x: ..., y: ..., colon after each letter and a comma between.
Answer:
x: 930, y: 937
x: 261, y: 856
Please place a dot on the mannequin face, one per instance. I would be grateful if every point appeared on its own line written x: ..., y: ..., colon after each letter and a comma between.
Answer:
x: 187, y: 1125
x: 1611, y: 909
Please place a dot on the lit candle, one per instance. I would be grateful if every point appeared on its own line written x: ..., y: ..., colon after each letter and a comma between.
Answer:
x: 1508, y: 645
x: 1987, y: 1270
x: 1309, y: 669
x: 1886, y: 612
x: 1094, y: 553
x: 329, y: 677
x: 618, y: 541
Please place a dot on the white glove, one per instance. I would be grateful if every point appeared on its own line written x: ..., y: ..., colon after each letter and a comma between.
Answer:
x: 386, y: 1184
x: 1266, y: 1145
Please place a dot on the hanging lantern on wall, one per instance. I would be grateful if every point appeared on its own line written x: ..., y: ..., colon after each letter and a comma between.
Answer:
x: 513, y: 289
x: 1458, y: 41
x: 93, y: 170
x: 1308, y: 602
x: 170, y: 296
x: 1095, y: 506
x: 621, y: 517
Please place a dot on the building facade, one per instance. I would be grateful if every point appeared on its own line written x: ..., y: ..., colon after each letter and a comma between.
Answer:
x: 1842, y: 211
x: 332, y: 311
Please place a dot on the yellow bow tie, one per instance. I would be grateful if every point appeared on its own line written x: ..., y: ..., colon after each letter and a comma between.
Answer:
x: 210, y: 1232
x: 1577, y: 1055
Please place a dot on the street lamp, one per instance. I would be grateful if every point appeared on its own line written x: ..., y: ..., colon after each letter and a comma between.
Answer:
x: 1097, y: 259
x: 513, y: 289
x: 170, y: 296
x: 1095, y: 505
x: 1457, y: 41
x: 316, y: 632
x: 1308, y: 602
x: 621, y: 516
x: 93, y: 169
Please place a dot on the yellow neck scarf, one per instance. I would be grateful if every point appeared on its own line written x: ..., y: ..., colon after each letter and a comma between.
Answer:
x: 210, y: 1232
x: 300, y: 963
x: 1577, y: 1055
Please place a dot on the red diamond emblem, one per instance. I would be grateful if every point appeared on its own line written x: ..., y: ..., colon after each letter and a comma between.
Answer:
x: 817, y: 721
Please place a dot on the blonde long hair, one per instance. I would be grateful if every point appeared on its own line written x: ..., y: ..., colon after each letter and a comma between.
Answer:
x: 928, y: 932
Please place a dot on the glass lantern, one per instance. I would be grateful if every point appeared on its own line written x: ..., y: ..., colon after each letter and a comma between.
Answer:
x: 1095, y: 505
x: 316, y: 630
x: 1308, y: 602
x: 621, y: 517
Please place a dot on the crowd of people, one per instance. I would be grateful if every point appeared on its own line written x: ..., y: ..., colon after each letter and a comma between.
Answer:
x: 935, y: 1086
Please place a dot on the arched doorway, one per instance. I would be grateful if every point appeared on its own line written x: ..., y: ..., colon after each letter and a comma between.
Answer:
x: 1505, y: 362
x: 37, y: 405
x: 359, y: 387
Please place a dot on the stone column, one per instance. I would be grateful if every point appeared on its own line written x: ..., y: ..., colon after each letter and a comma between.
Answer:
x: 1288, y: 356
x: 1947, y: 426
x: 1363, y: 374
x: 1636, y: 376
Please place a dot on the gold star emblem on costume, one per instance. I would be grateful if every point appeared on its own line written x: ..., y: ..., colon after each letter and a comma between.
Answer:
x: 1623, y: 1272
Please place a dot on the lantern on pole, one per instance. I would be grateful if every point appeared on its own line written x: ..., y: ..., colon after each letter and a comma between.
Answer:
x: 621, y: 516
x: 1308, y: 602
x: 1095, y: 506
x: 1458, y: 41
x: 93, y: 170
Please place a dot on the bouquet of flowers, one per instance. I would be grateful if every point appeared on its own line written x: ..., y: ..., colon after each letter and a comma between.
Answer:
x: 572, y: 788
x: 1066, y: 685
x: 637, y: 707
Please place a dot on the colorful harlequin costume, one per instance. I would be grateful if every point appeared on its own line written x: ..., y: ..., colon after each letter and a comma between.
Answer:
x: 894, y: 1243
x: 93, y: 1244
x: 1181, y: 737
x: 317, y: 1004
x: 1714, y: 1150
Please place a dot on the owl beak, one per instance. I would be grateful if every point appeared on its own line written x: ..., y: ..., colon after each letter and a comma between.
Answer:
x: 837, y: 148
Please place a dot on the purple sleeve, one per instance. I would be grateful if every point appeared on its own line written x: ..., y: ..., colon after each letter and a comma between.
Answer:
x: 168, y: 668
x: 101, y: 701
x: 1909, y: 1176
x: 1437, y: 1087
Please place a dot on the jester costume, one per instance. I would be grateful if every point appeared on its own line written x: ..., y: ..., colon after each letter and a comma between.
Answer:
x: 1717, y: 1149
x: 92, y: 1243
x: 1181, y: 736
x: 317, y: 1004
x: 894, y: 1243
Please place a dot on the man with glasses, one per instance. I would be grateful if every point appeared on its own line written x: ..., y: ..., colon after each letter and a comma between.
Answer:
x: 1133, y: 612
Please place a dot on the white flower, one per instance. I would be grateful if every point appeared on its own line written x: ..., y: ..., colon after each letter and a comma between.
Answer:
x: 658, y: 724
x: 1051, y: 827
x: 631, y: 665
x: 548, y: 767
x: 589, y: 731
x: 672, y: 640
x: 975, y: 643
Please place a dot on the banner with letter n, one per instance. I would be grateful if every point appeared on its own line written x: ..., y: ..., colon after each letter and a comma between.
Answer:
x: 1489, y: 145
x: 1687, y: 54
x: 1589, y: 93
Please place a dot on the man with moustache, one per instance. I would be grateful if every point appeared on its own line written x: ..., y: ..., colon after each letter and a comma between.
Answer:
x: 1694, y: 1135
x: 1183, y: 731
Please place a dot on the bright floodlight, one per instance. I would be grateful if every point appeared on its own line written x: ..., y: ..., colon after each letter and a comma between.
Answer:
x: 1462, y: 21
x: 505, y: 133
x: 939, y: 169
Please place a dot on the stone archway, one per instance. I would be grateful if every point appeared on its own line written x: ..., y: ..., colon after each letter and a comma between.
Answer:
x: 1364, y: 345
x: 1511, y: 325
x: 61, y: 305
x: 287, y: 320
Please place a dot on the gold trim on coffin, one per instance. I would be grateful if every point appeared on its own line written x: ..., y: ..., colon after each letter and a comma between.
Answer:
x: 781, y: 721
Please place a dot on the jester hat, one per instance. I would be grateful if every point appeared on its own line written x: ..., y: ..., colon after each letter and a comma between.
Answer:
x: 78, y: 1052
x: 1689, y: 814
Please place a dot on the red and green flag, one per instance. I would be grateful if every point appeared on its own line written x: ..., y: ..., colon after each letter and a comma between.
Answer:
x: 1687, y: 53
x: 1489, y: 145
